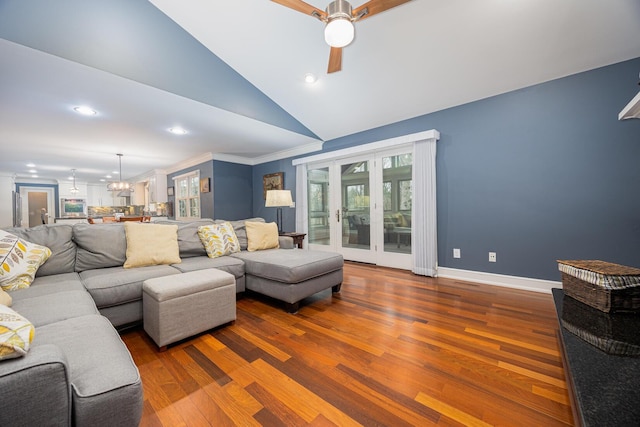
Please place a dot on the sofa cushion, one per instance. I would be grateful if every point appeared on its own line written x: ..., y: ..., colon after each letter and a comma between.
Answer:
x: 262, y: 236
x: 230, y: 265
x: 188, y: 239
x: 219, y: 239
x: 117, y: 285
x: 105, y: 383
x: 289, y: 266
x: 240, y: 229
x: 151, y: 244
x: 66, y: 305
x: 47, y: 285
x: 19, y: 261
x: 59, y: 239
x: 16, y: 334
x: 99, y: 245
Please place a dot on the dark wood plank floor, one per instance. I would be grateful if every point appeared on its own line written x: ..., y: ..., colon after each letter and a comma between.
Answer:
x: 393, y: 349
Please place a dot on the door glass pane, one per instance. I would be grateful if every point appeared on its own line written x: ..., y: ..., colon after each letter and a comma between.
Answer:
x: 356, y: 232
x: 397, y: 198
x: 319, y: 215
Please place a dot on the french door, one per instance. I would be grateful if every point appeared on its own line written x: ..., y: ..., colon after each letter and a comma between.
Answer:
x: 362, y: 207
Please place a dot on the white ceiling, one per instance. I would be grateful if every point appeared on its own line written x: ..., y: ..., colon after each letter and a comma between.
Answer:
x: 417, y: 58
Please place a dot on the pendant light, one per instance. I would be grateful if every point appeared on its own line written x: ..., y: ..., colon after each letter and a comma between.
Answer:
x: 74, y: 190
x: 123, y: 188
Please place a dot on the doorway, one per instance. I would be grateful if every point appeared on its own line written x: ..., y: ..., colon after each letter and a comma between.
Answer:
x: 34, y: 199
x: 362, y: 207
x: 38, y: 208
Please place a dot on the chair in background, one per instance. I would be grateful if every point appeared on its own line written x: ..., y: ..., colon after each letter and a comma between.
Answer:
x: 90, y: 221
x: 108, y: 219
x: 131, y: 218
x: 146, y: 219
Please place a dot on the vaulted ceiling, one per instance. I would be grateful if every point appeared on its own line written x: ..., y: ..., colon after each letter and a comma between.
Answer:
x: 232, y: 73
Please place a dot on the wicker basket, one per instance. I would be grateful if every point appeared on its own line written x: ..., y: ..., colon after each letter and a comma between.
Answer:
x: 616, y: 287
x: 615, y: 334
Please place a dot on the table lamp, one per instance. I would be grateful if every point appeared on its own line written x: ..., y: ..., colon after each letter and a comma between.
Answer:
x: 278, y: 199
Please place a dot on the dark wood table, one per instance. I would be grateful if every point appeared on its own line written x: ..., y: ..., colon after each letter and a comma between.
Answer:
x: 298, y: 238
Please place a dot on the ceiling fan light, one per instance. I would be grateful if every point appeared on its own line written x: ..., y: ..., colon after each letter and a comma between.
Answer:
x: 339, y: 32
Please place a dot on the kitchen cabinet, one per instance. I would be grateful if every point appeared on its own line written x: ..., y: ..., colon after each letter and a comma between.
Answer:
x: 158, y: 188
x: 98, y: 195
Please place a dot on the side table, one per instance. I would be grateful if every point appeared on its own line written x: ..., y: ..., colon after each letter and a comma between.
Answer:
x: 298, y: 238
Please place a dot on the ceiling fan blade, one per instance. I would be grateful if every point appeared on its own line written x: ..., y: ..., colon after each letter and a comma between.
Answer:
x: 303, y: 7
x: 335, y: 60
x: 377, y: 6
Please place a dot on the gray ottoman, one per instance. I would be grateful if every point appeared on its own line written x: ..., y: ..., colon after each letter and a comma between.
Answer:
x: 182, y: 305
x: 291, y: 275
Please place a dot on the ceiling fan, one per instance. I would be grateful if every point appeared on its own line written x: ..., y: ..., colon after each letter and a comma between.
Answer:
x: 339, y: 17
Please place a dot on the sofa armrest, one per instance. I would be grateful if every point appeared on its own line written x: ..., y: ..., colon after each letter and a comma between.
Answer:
x: 286, y: 242
x: 35, y: 388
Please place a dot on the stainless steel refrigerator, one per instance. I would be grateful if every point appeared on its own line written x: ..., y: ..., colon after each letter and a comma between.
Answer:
x: 17, y: 209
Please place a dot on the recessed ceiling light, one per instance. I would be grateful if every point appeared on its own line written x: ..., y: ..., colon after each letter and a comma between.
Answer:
x: 102, y: 180
x: 85, y: 111
x: 107, y: 176
x: 177, y: 131
x: 310, y: 78
x: 32, y: 171
x: 34, y: 176
x: 31, y: 165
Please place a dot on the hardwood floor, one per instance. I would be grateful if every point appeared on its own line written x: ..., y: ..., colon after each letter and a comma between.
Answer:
x: 391, y: 349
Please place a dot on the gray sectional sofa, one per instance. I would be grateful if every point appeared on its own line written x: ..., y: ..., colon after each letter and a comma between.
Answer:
x: 78, y: 371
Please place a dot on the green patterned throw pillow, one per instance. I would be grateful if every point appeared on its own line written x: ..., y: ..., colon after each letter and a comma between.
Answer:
x: 16, y: 334
x: 19, y: 261
x: 219, y: 239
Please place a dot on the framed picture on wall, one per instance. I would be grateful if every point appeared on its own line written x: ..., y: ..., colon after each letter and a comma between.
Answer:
x: 169, y: 191
x: 205, y: 185
x: 272, y: 181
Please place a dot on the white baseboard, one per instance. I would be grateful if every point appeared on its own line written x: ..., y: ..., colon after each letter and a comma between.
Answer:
x: 515, y: 282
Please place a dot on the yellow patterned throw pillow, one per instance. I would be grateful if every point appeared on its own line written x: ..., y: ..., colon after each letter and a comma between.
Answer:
x: 19, y: 261
x: 219, y: 239
x: 16, y: 334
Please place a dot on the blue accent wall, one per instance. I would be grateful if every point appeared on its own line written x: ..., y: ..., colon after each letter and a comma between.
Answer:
x: 232, y: 190
x: 269, y: 214
x: 539, y: 174
x: 206, y: 199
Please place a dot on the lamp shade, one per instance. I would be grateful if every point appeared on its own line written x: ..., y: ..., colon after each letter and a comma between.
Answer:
x: 278, y: 198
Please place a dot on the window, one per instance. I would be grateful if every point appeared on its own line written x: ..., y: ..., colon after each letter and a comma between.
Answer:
x: 187, y: 196
x: 356, y: 197
x: 405, y: 192
x: 386, y: 195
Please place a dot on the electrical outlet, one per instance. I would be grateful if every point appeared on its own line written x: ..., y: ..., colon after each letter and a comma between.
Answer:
x: 456, y: 253
x: 492, y: 257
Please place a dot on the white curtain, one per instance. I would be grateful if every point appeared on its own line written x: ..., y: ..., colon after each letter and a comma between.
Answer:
x: 424, y: 244
x: 302, y: 222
